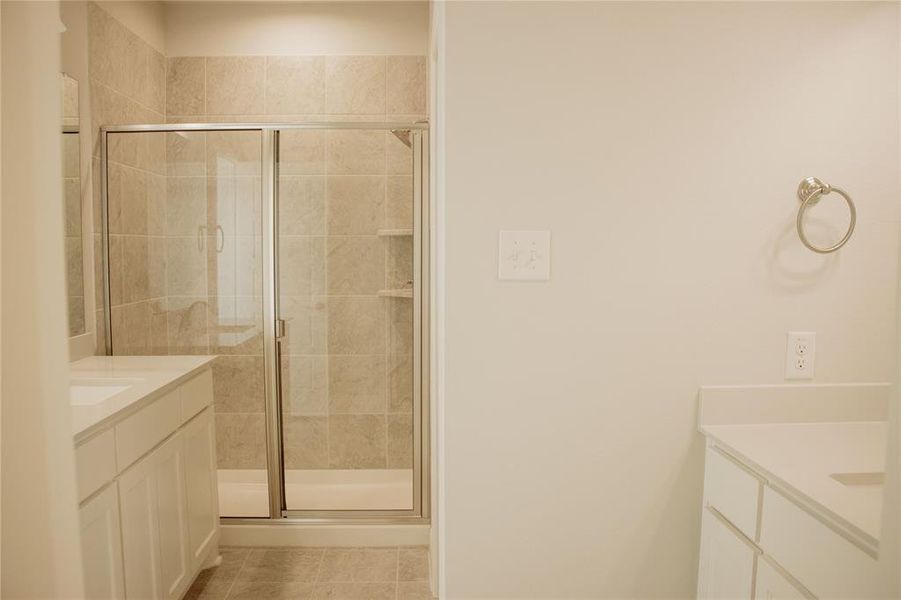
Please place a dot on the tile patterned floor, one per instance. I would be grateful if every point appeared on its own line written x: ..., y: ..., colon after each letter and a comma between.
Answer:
x: 396, y: 573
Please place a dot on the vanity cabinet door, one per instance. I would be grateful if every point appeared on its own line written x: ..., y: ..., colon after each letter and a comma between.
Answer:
x: 100, y: 549
x: 202, y: 493
x: 140, y: 531
x: 726, y: 569
x: 771, y: 585
x: 175, y: 563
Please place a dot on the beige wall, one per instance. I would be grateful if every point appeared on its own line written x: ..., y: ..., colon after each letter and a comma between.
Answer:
x: 146, y: 18
x: 292, y: 28
x: 662, y: 145
x: 41, y: 555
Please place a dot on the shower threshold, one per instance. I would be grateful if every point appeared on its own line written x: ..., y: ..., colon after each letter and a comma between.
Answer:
x: 245, y: 492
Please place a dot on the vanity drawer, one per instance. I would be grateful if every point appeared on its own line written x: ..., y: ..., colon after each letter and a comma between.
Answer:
x: 140, y: 432
x: 733, y: 491
x: 196, y: 394
x: 821, y: 559
x: 95, y: 463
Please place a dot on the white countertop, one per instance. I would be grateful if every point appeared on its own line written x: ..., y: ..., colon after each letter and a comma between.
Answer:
x: 801, y: 457
x: 142, y: 378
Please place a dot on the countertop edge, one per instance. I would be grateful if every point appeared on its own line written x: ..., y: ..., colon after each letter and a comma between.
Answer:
x: 110, y: 421
x: 843, y: 526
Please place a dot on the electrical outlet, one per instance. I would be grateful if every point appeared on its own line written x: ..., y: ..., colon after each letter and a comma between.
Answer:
x: 800, y: 354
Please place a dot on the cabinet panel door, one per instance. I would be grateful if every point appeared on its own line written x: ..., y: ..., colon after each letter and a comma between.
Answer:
x: 771, y: 585
x: 140, y: 531
x: 100, y: 547
x: 203, y: 498
x: 726, y: 569
x: 172, y: 514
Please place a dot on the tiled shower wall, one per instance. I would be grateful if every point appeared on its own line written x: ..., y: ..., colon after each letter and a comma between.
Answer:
x: 186, y: 239
x: 347, y: 361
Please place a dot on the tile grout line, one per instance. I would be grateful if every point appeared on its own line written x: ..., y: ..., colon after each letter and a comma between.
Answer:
x: 237, y: 575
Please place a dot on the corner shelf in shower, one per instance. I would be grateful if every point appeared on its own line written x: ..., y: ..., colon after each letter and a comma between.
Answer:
x: 401, y: 293
x: 395, y: 232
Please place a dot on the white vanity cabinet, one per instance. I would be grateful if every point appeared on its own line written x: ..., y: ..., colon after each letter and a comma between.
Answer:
x: 757, y: 543
x: 154, y: 522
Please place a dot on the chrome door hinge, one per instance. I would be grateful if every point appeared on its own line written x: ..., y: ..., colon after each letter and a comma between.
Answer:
x: 279, y: 329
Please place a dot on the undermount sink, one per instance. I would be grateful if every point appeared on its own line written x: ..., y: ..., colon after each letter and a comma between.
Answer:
x: 88, y: 392
x: 855, y: 479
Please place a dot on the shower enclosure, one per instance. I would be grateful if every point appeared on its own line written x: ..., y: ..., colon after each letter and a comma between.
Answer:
x: 297, y: 253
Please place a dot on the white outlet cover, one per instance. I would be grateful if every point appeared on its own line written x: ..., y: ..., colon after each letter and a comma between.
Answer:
x: 800, y: 354
x: 524, y: 255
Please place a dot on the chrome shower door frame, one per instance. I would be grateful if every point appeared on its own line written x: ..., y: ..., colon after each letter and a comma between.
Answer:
x: 269, y: 132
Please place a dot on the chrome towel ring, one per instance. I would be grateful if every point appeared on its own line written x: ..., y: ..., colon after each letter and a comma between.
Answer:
x: 810, y: 190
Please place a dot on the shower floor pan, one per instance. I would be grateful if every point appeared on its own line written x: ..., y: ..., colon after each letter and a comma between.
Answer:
x: 245, y: 492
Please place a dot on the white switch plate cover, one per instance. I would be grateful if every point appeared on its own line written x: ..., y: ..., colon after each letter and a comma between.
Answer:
x: 524, y: 255
x: 800, y: 354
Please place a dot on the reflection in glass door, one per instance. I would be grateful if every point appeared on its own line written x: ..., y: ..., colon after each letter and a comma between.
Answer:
x: 347, y: 288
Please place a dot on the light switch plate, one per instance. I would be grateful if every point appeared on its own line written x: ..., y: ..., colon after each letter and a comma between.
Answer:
x: 524, y: 255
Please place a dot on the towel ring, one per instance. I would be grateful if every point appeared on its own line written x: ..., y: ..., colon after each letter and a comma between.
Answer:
x: 810, y: 190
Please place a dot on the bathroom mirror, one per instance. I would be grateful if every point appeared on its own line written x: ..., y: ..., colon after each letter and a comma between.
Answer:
x: 71, y: 172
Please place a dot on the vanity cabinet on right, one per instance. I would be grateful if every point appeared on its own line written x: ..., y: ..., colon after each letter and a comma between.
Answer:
x: 759, y: 543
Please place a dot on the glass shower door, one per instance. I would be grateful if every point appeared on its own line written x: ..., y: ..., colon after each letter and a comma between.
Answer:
x: 185, y: 277
x: 345, y: 281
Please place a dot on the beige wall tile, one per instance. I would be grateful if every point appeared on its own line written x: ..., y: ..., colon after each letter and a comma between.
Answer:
x: 233, y: 153
x: 356, y: 265
x: 156, y: 267
x: 355, y: 205
x: 398, y: 157
x: 234, y: 85
x: 295, y: 85
x: 400, y: 262
x: 134, y: 77
x: 400, y: 441
x: 356, y: 384
x: 186, y: 206
x: 241, y: 440
x: 156, y: 81
x: 159, y: 327
x: 238, y: 384
x: 132, y: 200
x: 301, y: 152
x: 355, y: 152
x: 186, y: 86
x: 306, y: 442
x: 187, y: 325
x: 301, y: 265
x: 406, y: 84
x: 156, y: 204
x: 115, y: 267
x: 357, y: 442
x: 400, y: 327
x: 236, y: 325
x: 400, y: 383
x: 306, y: 323
x: 399, y: 197
x: 359, y: 564
x: 74, y: 267
x: 186, y: 153
x: 301, y: 205
x: 356, y: 326
x: 137, y: 328
x: 305, y: 382
x: 135, y: 269
x: 72, y: 197
x: 355, y: 84
x: 186, y: 267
